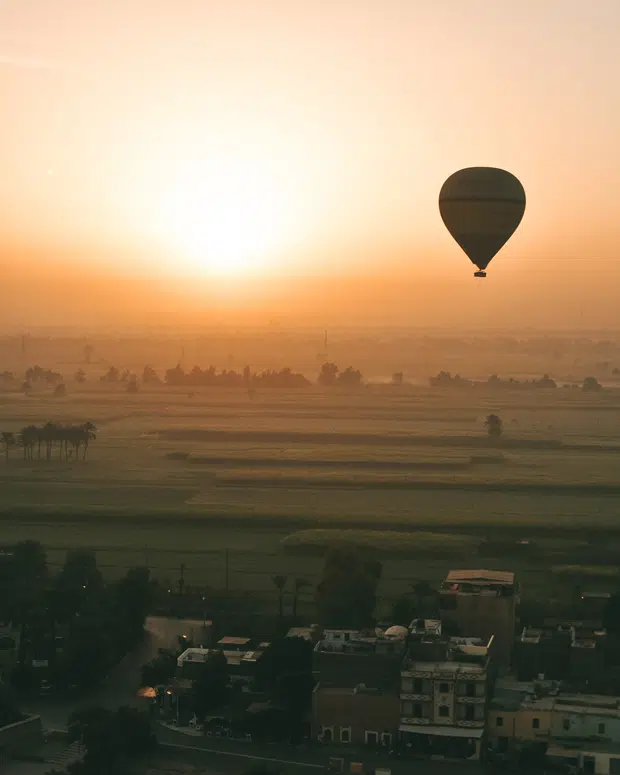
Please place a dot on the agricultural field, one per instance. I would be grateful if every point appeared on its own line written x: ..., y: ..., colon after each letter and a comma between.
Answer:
x: 177, y: 479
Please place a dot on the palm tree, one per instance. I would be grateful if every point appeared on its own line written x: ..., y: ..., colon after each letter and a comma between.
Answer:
x: 425, y: 598
x: 8, y: 439
x: 27, y: 438
x: 50, y: 435
x: 299, y: 585
x: 280, y: 583
x: 88, y: 432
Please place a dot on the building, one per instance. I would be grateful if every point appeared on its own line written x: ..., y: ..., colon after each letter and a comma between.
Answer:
x: 356, y: 695
x: 574, y: 651
x: 445, y: 685
x: 242, y: 664
x: 481, y: 604
x: 229, y: 643
x: 586, y: 717
x: 519, y: 715
x: 311, y: 633
x: 347, y: 658
x: 191, y: 661
x: 577, y: 730
x: 358, y: 715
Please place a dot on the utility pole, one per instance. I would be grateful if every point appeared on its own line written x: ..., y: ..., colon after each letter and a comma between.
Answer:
x: 226, y: 569
x: 182, y: 579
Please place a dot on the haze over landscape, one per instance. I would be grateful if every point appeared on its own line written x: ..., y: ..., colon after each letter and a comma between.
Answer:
x: 248, y: 383
x: 241, y: 162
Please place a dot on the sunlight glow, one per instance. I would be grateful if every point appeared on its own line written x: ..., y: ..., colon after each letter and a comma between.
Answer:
x: 233, y: 222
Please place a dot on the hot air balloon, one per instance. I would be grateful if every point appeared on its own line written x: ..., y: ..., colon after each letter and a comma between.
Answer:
x: 482, y: 207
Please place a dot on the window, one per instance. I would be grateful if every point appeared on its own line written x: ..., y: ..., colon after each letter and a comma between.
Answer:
x: 499, y: 721
x: 566, y: 724
x: 406, y: 708
x: 345, y: 734
x: 444, y: 711
x: 470, y: 689
x: 470, y: 712
x: 386, y: 738
x: 372, y: 738
x: 444, y: 688
x: 601, y: 729
x: 328, y: 734
x: 535, y: 723
x: 417, y: 686
x: 417, y: 710
x: 408, y: 685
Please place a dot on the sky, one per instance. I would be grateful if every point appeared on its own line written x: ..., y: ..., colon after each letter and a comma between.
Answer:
x: 263, y: 159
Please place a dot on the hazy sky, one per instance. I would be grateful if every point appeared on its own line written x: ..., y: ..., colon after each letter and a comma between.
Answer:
x: 180, y: 138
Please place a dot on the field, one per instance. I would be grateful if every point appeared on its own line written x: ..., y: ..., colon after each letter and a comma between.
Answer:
x: 173, y: 480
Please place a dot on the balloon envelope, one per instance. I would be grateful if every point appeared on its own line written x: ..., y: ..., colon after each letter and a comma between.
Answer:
x: 482, y: 208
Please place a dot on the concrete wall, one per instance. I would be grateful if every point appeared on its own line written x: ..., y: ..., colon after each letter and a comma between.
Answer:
x: 585, y: 725
x: 518, y: 725
x: 359, y: 712
x: 23, y: 737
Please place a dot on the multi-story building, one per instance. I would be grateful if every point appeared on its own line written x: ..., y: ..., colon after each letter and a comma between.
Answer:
x: 356, y: 696
x: 579, y: 730
x: 445, y: 684
x: 481, y: 604
x: 519, y: 715
x: 572, y: 651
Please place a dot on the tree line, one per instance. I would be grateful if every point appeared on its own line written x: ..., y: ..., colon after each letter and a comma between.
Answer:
x: 329, y: 376
x: 447, y: 379
x: 38, y: 442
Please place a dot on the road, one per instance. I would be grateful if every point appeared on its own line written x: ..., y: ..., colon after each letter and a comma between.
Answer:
x: 222, y: 758
x: 118, y: 688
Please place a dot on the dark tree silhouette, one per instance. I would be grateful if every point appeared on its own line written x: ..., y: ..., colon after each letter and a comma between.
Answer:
x: 347, y: 593
x: 328, y: 376
x: 494, y: 426
x: 591, y: 385
x: 111, y: 375
x: 350, y: 377
x: 149, y: 376
x: 299, y: 585
x: 280, y: 583
x: 8, y: 442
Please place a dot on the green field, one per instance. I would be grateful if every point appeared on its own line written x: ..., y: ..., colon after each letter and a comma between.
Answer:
x: 173, y: 479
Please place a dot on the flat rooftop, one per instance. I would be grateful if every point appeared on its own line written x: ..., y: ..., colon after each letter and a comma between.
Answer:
x: 465, y: 668
x: 480, y: 577
x: 233, y: 641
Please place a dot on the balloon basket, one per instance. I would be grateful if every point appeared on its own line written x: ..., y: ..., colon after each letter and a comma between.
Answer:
x: 480, y: 274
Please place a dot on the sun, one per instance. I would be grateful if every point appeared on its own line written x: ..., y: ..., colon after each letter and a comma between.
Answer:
x: 231, y: 224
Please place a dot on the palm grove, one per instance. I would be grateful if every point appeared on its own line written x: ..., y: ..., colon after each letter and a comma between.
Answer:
x: 39, y: 442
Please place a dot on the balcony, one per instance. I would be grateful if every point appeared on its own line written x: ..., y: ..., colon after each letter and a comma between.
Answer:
x: 478, y: 724
x: 466, y: 700
x: 415, y: 721
x: 417, y: 697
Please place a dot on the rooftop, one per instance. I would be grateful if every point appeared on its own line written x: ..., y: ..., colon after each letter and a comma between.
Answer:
x: 307, y: 633
x: 232, y: 641
x: 358, y: 642
x: 445, y: 666
x: 194, y: 655
x: 480, y: 577
x: 425, y: 627
x: 545, y: 695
